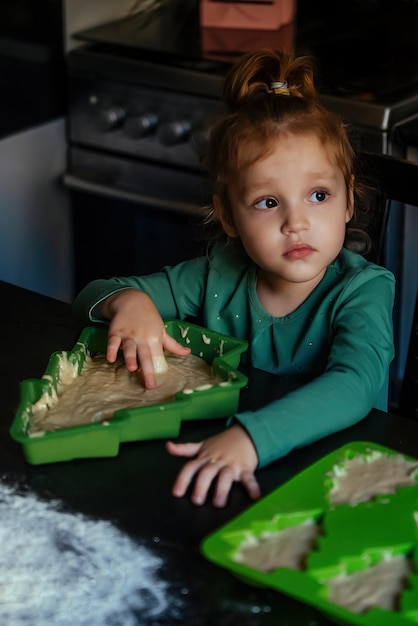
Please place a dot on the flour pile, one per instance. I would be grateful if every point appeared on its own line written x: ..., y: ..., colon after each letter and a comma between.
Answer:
x: 65, y: 569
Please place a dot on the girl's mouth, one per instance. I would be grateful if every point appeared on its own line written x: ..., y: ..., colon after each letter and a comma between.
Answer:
x: 298, y: 251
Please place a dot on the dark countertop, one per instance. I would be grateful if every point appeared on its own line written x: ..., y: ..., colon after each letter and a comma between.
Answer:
x: 132, y: 490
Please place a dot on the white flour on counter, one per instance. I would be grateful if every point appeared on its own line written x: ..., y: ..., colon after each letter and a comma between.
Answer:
x: 62, y: 569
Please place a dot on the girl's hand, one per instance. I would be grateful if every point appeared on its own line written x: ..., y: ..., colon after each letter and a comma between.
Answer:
x: 228, y: 457
x: 137, y: 329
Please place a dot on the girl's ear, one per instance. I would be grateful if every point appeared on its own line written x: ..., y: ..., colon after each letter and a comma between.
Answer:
x: 224, y: 218
x: 350, y: 201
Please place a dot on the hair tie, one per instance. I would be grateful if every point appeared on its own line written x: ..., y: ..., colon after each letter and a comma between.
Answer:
x: 279, y: 87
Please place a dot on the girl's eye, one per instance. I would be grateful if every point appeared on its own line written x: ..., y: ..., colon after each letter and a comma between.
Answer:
x: 318, y: 196
x: 266, y: 203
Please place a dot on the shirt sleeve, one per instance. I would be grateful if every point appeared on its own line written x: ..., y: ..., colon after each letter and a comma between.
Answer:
x: 176, y: 291
x: 348, y: 388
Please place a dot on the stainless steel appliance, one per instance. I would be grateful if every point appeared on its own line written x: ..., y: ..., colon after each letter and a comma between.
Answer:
x: 137, y: 182
x: 141, y: 89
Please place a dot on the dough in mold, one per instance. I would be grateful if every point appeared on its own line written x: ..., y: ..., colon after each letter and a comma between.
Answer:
x: 378, y: 586
x: 365, y: 476
x: 286, y: 548
x: 103, y: 388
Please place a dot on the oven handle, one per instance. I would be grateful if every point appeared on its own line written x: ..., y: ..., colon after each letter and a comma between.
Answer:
x: 80, y: 184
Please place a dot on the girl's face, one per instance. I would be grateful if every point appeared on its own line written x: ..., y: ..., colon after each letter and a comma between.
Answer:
x: 290, y: 208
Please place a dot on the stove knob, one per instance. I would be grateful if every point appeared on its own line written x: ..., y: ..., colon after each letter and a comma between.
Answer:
x: 112, y: 118
x: 142, y: 125
x: 177, y: 131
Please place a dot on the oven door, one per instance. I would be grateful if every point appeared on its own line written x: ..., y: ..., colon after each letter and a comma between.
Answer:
x: 131, y: 216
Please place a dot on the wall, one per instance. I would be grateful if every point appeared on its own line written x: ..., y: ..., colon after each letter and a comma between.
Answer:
x: 35, y: 214
x: 35, y: 224
x: 35, y: 219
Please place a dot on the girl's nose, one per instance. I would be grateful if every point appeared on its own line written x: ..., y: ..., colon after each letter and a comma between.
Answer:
x: 294, y: 220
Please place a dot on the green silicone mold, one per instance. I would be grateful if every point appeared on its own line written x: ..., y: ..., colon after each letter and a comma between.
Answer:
x: 353, y: 541
x: 134, y: 424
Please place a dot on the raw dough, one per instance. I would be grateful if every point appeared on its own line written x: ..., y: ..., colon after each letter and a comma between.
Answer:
x: 379, y: 585
x: 361, y: 478
x: 102, y: 388
x: 160, y: 364
x: 286, y: 548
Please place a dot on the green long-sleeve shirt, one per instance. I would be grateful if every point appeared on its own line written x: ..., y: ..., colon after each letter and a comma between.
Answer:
x: 339, y: 341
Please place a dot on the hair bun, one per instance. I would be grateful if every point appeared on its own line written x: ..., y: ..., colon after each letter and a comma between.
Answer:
x: 255, y: 72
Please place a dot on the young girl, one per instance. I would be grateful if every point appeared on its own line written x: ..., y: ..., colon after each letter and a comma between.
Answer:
x: 281, y: 278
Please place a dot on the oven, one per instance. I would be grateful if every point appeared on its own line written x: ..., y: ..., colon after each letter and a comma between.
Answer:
x: 136, y: 182
x: 141, y: 89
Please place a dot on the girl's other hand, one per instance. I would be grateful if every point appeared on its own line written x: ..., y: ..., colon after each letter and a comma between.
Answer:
x: 137, y: 329
x: 227, y: 458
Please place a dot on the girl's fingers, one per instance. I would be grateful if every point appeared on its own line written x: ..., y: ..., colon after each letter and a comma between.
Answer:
x: 204, y: 479
x: 223, y: 487
x: 130, y: 354
x: 204, y: 470
x: 204, y: 473
x: 113, y: 345
x: 147, y: 369
x: 170, y: 344
x: 185, y: 477
x: 249, y: 482
x: 148, y: 353
x: 183, y: 449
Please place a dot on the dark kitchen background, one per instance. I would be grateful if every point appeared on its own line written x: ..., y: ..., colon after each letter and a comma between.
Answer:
x: 101, y: 103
